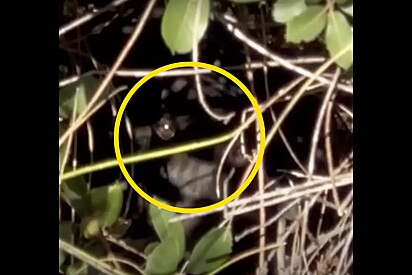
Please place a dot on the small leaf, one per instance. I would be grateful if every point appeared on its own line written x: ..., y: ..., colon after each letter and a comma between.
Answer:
x: 339, y: 36
x: 79, y: 92
x: 307, y: 26
x: 107, y: 202
x: 90, y: 227
x: 285, y: 10
x: 164, y: 259
x: 211, y: 251
x: 178, y: 24
x: 159, y: 219
x: 65, y: 231
x: 74, y: 191
x: 150, y: 247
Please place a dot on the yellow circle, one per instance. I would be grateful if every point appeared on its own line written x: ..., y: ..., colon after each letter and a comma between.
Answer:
x: 255, y: 167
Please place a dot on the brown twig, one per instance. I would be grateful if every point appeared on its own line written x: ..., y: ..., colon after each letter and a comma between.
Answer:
x: 132, y: 39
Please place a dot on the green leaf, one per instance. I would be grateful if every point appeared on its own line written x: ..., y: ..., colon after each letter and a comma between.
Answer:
x: 348, y: 9
x: 65, y: 232
x: 339, y: 36
x: 150, y: 247
x: 307, y: 26
x: 164, y: 259
x: 178, y: 24
x: 79, y: 92
x: 90, y: 227
x: 245, y: 1
x: 211, y: 251
x: 107, y: 202
x: 159, y: 219
x: 285, y: 10
x: 310, y: 2
x: 75, y: 193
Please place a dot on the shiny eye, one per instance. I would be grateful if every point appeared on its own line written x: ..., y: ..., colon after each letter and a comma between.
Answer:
x: 165, y: 128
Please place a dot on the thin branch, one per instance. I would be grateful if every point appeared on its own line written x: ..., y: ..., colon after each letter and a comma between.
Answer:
x: 269, y: 222
x: 159, y: 153
x: 149, y: 155
x: 125, y: 246
x: 299, y: 70
x: 87, y: 17
x: 126, y: 262
x: 280, y: 195
x: 318, y: 125
x: 282, y: 92
x: 262, y: 220
x: 315, y: 139
x: 328, y: 145
x: 344, y: 253
x: 294, y: 101
x: 89, y: 259
x: 85, y: 115
x: 243, y: 256
x: 139, y: 73
x: 199, y: 90
x: 304, y: 227
x: 280, y: 255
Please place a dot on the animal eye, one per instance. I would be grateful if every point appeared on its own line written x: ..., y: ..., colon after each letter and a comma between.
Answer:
x: 165, y: 128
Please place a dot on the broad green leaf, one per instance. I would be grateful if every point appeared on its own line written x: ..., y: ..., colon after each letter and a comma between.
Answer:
x: 65, y: 231
x: 307, y: 26
x: 310, y: 2
x: 245, y: 1
x: 164, y: 259
x: 150, y: 247
x: 90, y: 227
x: 178, y: 24
x: 80, y: 91
x: 348, y: 9
x: 159, y: 219
x: 75, y: 193
x: 339, y: 36
x: 211, y: 251
x: 107, y: 202
x: 285, y: 10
